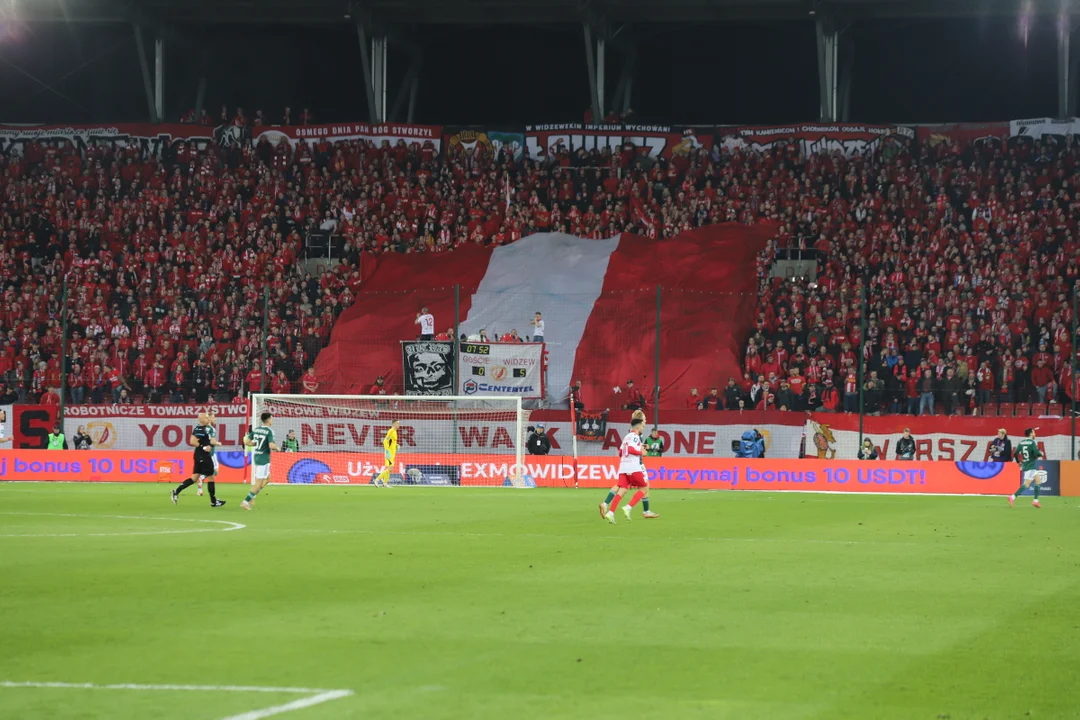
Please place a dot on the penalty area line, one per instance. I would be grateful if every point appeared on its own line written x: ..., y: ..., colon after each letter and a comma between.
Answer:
x: 316, y: 696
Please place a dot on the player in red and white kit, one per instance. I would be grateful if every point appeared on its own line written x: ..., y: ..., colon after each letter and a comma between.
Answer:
x: 632, y: 474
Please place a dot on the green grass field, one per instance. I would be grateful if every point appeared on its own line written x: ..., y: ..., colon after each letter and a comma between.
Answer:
x: 500, y: 603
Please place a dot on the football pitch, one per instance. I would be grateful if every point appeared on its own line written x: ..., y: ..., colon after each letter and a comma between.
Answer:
x: 352, y: 602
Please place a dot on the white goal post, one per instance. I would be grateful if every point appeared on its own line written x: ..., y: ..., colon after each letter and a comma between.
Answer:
x: 442, y: 440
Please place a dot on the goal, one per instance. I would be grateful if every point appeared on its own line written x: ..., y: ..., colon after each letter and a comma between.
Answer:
x: 452, y: 440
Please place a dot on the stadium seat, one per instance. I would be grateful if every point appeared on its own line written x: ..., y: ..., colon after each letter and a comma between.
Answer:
x: 990, y: 410
x: 1006, y: 410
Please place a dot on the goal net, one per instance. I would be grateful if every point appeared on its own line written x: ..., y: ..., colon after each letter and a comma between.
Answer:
x: 441, y: 440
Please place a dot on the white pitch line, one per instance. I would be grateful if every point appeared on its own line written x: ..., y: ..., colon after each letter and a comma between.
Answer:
x: 620, y: 538
x: 165, y: 687
x: 316, y: 696
x: 231, y: 525
x: 294, y: 705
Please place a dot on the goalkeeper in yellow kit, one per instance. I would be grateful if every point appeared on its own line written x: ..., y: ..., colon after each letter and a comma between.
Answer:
x: 390, y: 446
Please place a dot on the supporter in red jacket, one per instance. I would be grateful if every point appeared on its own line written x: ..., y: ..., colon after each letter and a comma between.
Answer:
x: 155, y: 380
x: 254, y: 379
x: 309, y: 382
x: 911, y: 392
x: 1042, y: 377
x: 280, y: 384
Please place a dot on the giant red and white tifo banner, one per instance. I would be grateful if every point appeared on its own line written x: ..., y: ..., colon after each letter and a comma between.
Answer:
x: 598, y: 298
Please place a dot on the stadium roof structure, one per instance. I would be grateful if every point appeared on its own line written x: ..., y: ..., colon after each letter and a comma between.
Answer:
x: 511, y: 11
x: 602, y: 21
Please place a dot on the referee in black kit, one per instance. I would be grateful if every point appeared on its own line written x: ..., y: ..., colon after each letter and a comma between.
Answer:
x: 204, y: 461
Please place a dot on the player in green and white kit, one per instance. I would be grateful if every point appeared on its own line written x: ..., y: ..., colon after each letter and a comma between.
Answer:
x: 1027, y: 453
x: 261, y: 440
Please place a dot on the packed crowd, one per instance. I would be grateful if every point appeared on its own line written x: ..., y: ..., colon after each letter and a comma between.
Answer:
x: 167, y: 261
x: 968, y: 255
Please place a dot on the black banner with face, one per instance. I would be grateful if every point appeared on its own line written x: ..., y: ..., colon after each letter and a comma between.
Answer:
x: 428, y: 367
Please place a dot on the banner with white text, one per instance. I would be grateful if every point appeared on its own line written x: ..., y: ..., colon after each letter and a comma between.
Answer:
x: 429, y: 136
x: 847, y: 138
x: 955, y: 438
x: 151, y: 139
x: 354, y: 430
x: 1037, y: 127
x: 653, y: 140
x: 954, y: 478
x: 154, y: 139
x: 152, y: 427
x: 957, y: 478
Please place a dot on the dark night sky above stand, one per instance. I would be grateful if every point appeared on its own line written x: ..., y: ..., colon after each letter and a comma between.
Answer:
x: 523, y: 61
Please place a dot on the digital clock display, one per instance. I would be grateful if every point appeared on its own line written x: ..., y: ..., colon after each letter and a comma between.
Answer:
x: 472, y: 349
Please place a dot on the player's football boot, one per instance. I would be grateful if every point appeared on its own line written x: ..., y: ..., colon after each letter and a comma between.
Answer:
x: 217, y: 503
x: 199, y: 489
x: 1035, y: 504
x: 649, y: 514
x: 173, y: 497
x: 245, y: 504
x: 626, y: 510
x: 1012, y: 500
x: 610, y: 517
x: 603, y: 510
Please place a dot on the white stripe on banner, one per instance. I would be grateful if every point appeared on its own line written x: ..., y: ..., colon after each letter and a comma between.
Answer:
x: 558, y: 275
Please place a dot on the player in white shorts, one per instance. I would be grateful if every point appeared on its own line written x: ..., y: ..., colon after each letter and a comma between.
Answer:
x: 261, y: 442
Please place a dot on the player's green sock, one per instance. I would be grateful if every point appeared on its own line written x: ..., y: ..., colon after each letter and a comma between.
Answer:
x: 1020, y: 490
x: 1035, y: 487
x: 250, y: 497
x: 610, y: 497
x: 645, y: 505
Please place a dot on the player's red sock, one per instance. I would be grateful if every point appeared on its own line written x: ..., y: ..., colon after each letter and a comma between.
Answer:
x: 615, y: 503
x: 637, y: 498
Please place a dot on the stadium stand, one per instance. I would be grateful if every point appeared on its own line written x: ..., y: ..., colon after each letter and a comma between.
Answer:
x: 967, y: 254
x: 966, y: 251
